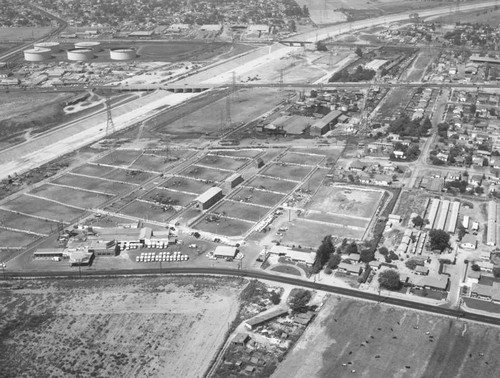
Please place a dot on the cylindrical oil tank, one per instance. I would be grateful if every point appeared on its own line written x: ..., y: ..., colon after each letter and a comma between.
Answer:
x: 37, y: 54
x: 93, y: 45
x: 53, y: 46
x: 80, y: 55
x: 122, y: 54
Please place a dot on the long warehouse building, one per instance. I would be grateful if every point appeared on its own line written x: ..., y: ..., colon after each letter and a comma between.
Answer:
x: 443, y: 214
x: 452, y: 222
x: 432, y: 213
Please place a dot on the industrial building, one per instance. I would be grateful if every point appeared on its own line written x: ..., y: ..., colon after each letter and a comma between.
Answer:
x: 265, y: 317
x: 224, y: 252
x: 289, y: 124
x: 233, y: 181
x: 37, y: 54
x: 325, y: 124
x: 443, y: 215
x: 49, y: 253
x: 301, y: 256
x: 209, y: 198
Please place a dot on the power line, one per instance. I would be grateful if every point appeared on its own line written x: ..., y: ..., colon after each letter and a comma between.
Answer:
x: 110, y: 126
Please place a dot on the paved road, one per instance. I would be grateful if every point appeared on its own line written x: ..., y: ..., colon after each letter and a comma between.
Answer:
x: 265, y: 276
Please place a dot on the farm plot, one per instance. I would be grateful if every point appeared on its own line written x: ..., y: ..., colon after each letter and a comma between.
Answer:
x: 42, y: 208
x: 346, y: 201
x: 223, y: 162
x: 280, y: 186
x: 186, y: 185
x: 94, y: 183
x: 93, y: 170
x: 169, y: 197
x: 134, y: 177
x: 390, y: 342
x: 226, y: 227
x: 315, y: 180
x: 288, y: 172
x: 73, y: 197
x: 120, y: 157
x: 259, y: 197
x: 23, y: 222
x: 238, y: 153
x: 152, y: 163
x: 155, y: 327
x: 309, y: 234
x: 143, y: 210
x: 14, y: 239
x: 208, y: 174
x: 241, y: 210
x: 306, y: 159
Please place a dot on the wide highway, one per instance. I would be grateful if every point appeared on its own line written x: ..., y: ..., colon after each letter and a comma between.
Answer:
x: 89, y: 274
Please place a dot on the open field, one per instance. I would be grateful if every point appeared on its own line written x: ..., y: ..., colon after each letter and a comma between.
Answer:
x: 343, y: 220
x: 91, y: 183
x: 128, y: 176
x: 95, y: 170
x: 483, y: 16
x: 186, y: 185
x: 315, y: 180
x: 411, y: 201
x: 154, y: 327
x: 226, y: 227
x: 23, y: 222
x: 416, y: 71
x: 306, y: 159
x: 208, y: 174
x: 241, y: 210
x: 148, y: 211
x: 23, y: 33
x: 152, y: 163
x: 309, y: 234
x: 15, y: 239
x: 72, y: 197
x: 288, y: 172
x: 169, y: 197
x: 42, y: 208
x: 231, y: 163
x: 386, y: 341
x: 346, y: 200
x: 259, y: 197
x: 280, y: 186
x: 205, y: 118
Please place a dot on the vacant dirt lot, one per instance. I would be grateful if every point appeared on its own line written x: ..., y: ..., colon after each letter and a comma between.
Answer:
x: 153, y: 327
x: 287, y: 172
x: 389, y: 342
x: 259, y: 197
x: 42, y: 208
x: 186, y: 185
x: 280, y: 186
x: 226, y: 227
x: 91, y: 183
x: 22, y: 222
x: 72, y: 197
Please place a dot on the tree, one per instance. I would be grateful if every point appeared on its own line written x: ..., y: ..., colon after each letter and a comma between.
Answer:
x: 334, y: 261
x: 496, y: 272
x: 389, y: 279
x: 418, y: 221
x: 320, y: 46
x: 383, y: 251
x: 275, y: 298
x: 475, y: 268
x: 359, y: 52
x: 352, y: 248
x: 324, y: 252
x: 461, y: 231
x: 299, y: 298
x: 440, y: 239
x: 305, y: 11
x: 293, y: 26
x: 117, y: 249
x: 328, y: 270
x: 367, y: 255
x: 411, y: 264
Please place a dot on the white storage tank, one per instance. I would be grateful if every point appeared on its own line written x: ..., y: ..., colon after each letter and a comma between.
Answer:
x: 96, y: 46
x: 37, y: 54
x: 54, y: 47
x: 80, y: 55
x: 122, y: 54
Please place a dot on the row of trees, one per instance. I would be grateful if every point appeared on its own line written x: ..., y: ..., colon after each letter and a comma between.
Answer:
x: 406, y: 127
x: 359, y: 74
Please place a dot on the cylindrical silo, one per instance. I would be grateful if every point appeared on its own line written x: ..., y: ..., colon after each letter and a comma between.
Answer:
x: 37, y: 55
x: 122, y: 54
x: 53, y: 46
x: 80, y: 55
x: 96, y: 46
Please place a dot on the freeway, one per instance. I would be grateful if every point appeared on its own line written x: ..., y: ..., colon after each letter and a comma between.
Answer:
x: 263, y: 276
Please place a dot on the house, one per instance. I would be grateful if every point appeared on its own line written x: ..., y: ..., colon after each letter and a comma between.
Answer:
x: 351, y: 269
x: 486, y: 292
x: 399, y: 154
x: 442, y: 156
x: 382, y: 180
x: 468, y: 242
x: 485, y: 266
x: 240, y: 339
x: 395, y: 218
x: 431, y: 282
x: 353, y: 257
x: 375, y: 265
x: 475, y: 180
x: 357, y: 166
x: 421, y: 270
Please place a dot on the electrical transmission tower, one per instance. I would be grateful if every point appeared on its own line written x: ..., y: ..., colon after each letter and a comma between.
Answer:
x: 228, y: 112
x: 110, y: 126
